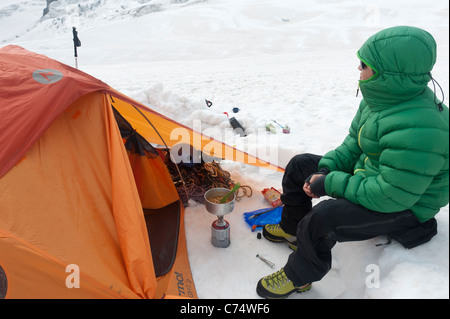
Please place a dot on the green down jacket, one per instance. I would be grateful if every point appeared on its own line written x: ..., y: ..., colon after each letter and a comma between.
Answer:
x: 395, y: 156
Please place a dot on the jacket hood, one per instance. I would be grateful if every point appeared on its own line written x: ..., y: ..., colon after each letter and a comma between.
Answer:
x: 402, y: 58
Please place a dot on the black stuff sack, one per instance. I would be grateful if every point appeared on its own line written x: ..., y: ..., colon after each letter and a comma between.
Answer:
x: 417, y: 235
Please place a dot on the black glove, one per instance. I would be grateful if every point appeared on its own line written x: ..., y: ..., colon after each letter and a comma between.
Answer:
x: 318, y: 187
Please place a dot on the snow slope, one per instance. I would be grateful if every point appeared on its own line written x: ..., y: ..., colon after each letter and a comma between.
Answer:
x: 293, y: 61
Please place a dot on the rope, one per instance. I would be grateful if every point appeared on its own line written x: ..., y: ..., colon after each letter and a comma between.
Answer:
x: 195, y: 189
x: 202, y: 177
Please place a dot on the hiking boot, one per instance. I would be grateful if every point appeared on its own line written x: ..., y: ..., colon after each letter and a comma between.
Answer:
x: 275, y: 233
x: 278, y: 286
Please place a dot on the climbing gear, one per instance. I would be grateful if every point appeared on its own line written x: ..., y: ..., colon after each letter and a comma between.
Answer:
x: 201, y: 177
x: 269, y: 263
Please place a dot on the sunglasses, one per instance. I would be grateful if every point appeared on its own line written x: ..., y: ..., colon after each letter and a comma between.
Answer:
x: 363, y: 65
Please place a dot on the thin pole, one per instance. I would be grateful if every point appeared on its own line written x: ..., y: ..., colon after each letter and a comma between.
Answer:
x: 167, y: 149
x: 76, y: 43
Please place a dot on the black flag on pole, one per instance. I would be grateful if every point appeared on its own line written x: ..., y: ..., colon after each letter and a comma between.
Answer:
x: 76, y: 43
x: 76, y: 40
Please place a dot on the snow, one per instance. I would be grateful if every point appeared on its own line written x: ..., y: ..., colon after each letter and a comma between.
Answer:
x: 293, y: 61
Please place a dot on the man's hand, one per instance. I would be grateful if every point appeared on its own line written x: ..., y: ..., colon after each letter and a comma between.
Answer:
x: 307, y: 185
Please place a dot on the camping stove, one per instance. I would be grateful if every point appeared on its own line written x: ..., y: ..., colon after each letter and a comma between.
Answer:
x: 220, y: 228
x: 220, y: 233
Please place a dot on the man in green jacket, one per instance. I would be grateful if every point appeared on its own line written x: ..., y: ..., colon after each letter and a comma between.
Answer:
x: 389, y: 176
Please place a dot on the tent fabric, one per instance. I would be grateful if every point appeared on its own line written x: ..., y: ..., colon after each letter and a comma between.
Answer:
x: 78, y: 204
x: 173, y: 133
x: 34, y: 90
x: 72, y: 195
x: 158, y: 191
x: 28, y: 77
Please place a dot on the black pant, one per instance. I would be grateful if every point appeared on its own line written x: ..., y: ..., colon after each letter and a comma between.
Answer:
x: 318, y: 228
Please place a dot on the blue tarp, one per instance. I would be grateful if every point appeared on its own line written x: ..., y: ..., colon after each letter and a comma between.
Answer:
x: 273, y: 216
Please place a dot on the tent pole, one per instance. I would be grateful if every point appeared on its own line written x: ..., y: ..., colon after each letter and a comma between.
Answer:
x: 167, y: 149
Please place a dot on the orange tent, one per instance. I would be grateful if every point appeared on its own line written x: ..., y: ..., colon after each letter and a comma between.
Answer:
x: 88, y: 208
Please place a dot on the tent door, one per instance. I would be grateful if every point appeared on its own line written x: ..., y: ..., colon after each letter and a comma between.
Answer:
x: 162, y: 227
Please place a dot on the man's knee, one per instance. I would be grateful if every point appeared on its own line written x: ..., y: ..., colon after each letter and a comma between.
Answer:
x: 305, y: 159
x: 317, y: 221
x: 325, y: 209
x: 315, y: 232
